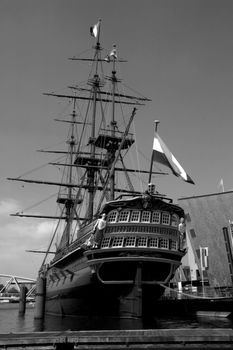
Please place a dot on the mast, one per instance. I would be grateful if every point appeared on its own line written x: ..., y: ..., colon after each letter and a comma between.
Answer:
x: 106, y: 144
x: 68, y: 200
x: 117, y: 156
x: 95, y: 83
x: 113, y: 122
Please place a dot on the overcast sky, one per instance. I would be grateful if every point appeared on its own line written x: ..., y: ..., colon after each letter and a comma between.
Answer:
x: 179, y: 53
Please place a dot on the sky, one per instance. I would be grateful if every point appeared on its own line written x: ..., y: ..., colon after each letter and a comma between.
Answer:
x: 179, y: 53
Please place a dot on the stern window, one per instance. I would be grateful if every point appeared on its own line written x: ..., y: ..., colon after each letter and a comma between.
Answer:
x: 175, y: 220
x: 155, y: 217
x: 130, y: 242
x: 112, y: 216
x: 123, y: 216
x: 173, y: 245
x: 165, y: 218
x: 163, y: 243
x: 117, y: 242
x: 135, y: 216
x: 154, y: 243
x: 105, y: 242
x: 142, y: 242
x: 146, y: 216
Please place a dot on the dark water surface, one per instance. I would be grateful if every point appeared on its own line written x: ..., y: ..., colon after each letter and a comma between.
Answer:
x: 10, y: 321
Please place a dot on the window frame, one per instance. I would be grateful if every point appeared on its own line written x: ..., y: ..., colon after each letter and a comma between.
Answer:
x: 145, y: 222
x: 165, y: 213
x: 121, y: 213
x: 177, y: 220
x: 153, y: 214
x: 139, y: 216
x: 116, y: 216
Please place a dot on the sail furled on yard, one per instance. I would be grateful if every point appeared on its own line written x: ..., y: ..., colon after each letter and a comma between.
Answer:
x: 113, y: 52
x: 163, y: 155
x: 112, y: 55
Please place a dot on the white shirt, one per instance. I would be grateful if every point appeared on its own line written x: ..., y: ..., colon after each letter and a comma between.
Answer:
x: 100, y: 224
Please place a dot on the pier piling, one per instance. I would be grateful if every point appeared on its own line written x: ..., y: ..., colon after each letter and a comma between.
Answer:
x: 22, y: 300
x: 40, y: 298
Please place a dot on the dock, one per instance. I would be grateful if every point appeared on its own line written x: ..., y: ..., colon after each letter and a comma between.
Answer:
x: 121, y: 339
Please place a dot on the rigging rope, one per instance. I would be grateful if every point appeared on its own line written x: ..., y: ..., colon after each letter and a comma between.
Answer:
x: 38, y: 203
x: 51, y: 242
x: 138, y: 163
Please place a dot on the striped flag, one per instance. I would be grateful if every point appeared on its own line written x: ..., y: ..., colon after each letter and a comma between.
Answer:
x: 204, y: 258
x: 95, y: 29
x: 162, y: 155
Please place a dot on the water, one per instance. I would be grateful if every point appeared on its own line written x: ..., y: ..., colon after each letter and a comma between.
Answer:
x: 10, y: 321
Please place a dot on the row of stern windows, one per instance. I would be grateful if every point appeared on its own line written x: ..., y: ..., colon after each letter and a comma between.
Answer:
x: 144, y: 216
x: 140, y: 242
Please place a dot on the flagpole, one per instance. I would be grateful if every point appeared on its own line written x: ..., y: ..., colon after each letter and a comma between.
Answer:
x: 202, y: 273
x: 151, y: 161
x: 97, y: 47
x: 191, y: 279
x: 98, y: 34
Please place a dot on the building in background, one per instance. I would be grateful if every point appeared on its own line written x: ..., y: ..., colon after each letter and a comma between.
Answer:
x: 210, y: 248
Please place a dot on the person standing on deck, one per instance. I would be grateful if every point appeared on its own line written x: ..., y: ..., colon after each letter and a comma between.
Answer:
x: 182, y: 230
x: 98, y: 230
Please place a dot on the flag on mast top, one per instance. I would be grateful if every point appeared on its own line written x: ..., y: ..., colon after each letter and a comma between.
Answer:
x: 94, y: 30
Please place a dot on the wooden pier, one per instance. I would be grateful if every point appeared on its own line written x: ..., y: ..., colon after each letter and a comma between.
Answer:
x: 121, y: 339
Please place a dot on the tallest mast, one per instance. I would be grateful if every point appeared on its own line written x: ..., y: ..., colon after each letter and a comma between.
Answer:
x: 113, y: 122
x: 95, y: 83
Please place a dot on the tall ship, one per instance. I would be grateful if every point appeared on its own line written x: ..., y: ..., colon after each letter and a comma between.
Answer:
x: 121, y: 241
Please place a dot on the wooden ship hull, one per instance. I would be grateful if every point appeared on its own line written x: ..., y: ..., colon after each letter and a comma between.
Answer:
x: 122, y: 277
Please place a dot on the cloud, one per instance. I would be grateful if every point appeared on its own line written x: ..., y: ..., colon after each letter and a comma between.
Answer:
x: 8, y: 206
x: 15, y: 227
x: 44, y: 227
x: 18, y: 235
